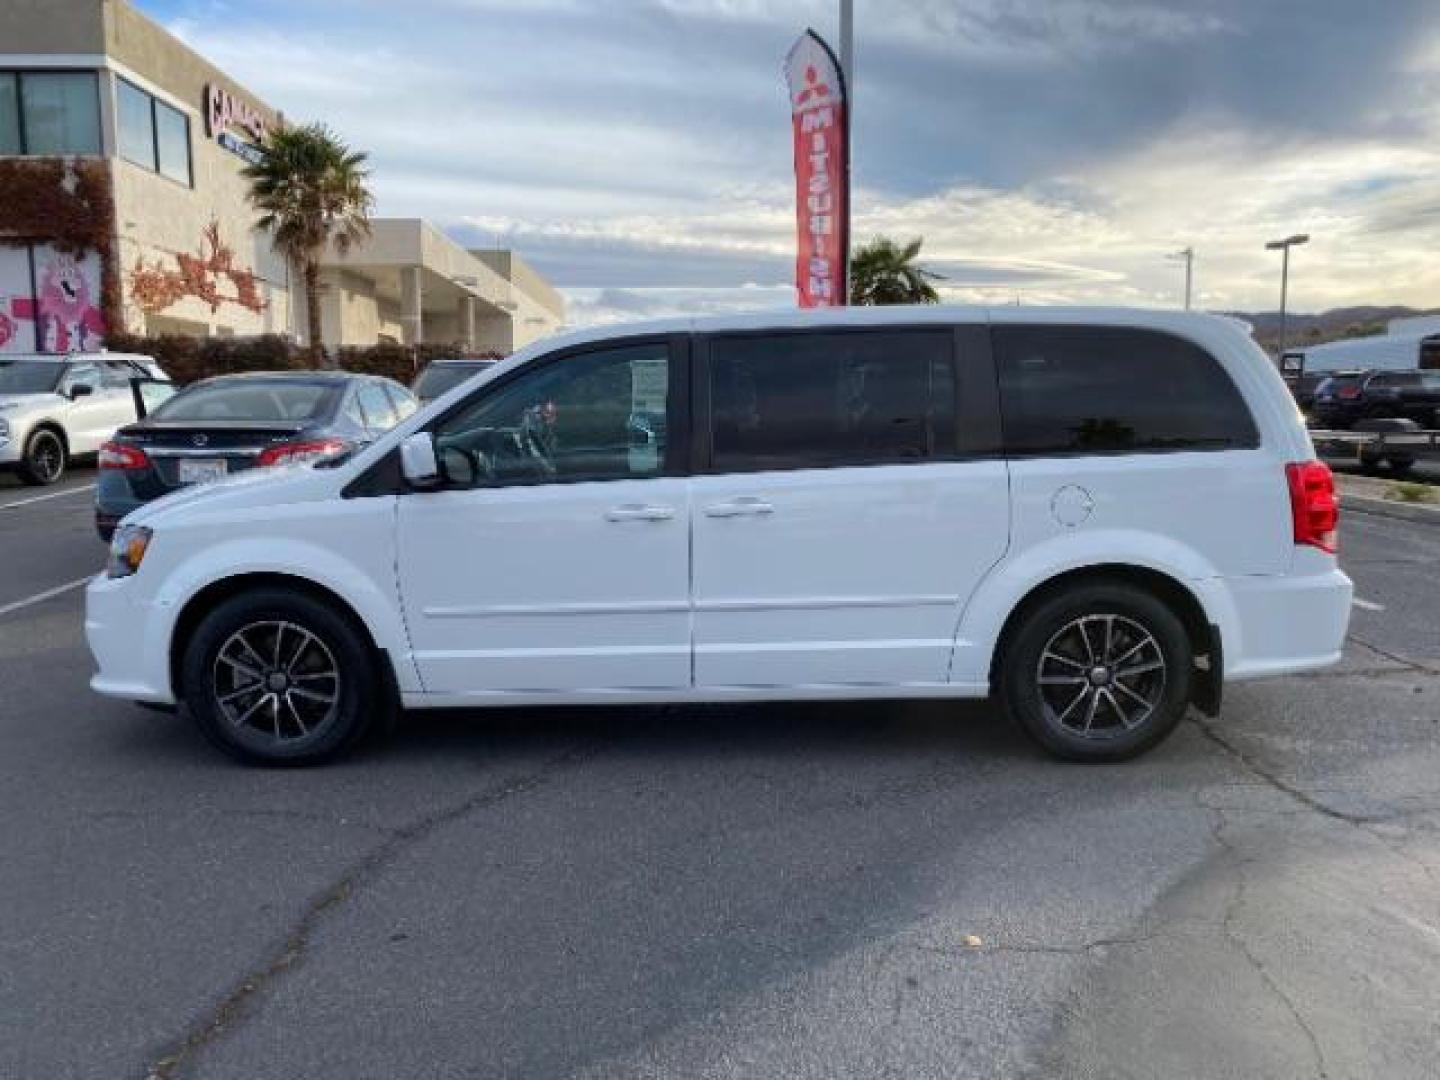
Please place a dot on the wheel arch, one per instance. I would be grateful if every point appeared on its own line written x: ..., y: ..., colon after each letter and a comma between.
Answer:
x: 211, y: 596
x: 55, y: 427
x: 1204, y: 635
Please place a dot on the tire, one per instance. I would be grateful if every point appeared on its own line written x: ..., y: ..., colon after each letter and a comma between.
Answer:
x: 1131, y: 713
x: 280, y: 717
x: 1400, y: 466
x: 44, y: 460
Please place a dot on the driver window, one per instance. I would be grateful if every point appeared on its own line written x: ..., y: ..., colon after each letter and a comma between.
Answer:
x: 594, y: 416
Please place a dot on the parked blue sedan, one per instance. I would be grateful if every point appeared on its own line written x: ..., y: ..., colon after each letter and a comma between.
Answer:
x: 231, y: 423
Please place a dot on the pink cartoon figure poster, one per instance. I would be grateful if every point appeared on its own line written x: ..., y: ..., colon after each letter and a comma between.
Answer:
x: 67, y: 302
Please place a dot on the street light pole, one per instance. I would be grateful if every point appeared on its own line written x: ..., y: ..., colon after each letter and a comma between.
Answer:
x: 1188, y: 257
x: 1284, y: 246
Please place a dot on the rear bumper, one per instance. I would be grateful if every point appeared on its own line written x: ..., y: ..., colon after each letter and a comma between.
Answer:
x: 1284, y: 625
x: 129, y: 641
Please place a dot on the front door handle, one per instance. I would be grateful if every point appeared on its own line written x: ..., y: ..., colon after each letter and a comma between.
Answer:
x: 639, y: 512
x: 745, y: 506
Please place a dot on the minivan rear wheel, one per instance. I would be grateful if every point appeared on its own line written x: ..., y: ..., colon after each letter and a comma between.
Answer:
x: 278, y: 677
x: 1099, y: 672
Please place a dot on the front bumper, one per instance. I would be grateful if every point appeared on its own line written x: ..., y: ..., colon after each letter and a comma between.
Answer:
x: 128, y: 636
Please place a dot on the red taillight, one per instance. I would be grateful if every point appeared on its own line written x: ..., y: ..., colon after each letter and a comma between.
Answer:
x: 1348, y: 393
x: 1313, y: 504
x: 297, y: 452
x: 114, y: 455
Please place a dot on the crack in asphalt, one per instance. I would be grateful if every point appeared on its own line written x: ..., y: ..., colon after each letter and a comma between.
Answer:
x: 1083, y: 948
x: 1367, y: 824
x: 1408, y: 671
x: 1218, y: 822
x: 1406, y: 661
x: 1255, y: 768
x: 234, y: 814
x: 222, y: 1018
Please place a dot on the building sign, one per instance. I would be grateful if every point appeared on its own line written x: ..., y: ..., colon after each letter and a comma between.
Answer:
x: 234, y: 123
x: 249, y: 151
x: 822, y: 146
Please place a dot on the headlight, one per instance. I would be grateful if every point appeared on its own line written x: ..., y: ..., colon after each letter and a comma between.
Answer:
x: 127, y: 550
x: 4, y: 431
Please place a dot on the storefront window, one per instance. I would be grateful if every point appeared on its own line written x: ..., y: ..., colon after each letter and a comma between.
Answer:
x: 172, y: 138
x: 137, y: 125
x: 153, y: 135
x: 61, y: 112
x: 9, y: 114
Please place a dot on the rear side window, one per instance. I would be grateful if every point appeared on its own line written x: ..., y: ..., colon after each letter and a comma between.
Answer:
x: 403, y: 401
x: 379, y: 412
x: 1112, y: 390
x: 818, y: 400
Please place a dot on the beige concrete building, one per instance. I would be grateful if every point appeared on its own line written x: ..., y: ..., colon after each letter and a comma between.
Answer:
x: 411, y: 283
x: 122, y: 205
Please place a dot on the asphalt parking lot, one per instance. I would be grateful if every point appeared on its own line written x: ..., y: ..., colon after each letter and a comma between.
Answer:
x: 823, y: 891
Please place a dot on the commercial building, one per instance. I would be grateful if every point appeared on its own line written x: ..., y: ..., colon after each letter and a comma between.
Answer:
x: 123, y: 207
x: 411, y: 283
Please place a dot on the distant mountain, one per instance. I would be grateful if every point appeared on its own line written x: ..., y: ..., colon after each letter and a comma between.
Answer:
x: 1316, y: 328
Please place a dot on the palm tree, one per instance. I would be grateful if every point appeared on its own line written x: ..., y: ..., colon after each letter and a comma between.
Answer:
x: 884, y: 272
x: 310, y: 190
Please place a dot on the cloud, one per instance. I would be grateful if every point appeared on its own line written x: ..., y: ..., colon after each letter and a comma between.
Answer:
x: 637, y: 151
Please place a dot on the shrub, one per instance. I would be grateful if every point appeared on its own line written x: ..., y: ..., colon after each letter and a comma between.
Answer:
x: 1410, y: 492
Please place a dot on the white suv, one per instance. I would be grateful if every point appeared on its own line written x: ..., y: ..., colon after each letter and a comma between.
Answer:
x: 54, y: 409
x: 1097, y: 516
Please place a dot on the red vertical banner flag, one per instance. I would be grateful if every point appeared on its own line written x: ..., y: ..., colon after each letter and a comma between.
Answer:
x: 820, y: 117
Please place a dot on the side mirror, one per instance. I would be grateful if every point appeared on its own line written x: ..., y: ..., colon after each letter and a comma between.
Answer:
x: 418, y: 463
x: 80, y: 390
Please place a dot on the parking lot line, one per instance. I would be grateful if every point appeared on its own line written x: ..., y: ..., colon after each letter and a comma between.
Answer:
x: 48, y: 594
x: 43, y: 498
x: 1367, y: 605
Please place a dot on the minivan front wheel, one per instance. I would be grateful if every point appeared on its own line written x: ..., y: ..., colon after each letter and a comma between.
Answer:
x: 1099, y: 672
x: 277, y: 677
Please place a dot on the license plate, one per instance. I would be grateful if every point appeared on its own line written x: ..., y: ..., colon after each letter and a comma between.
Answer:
x: 200, y: 470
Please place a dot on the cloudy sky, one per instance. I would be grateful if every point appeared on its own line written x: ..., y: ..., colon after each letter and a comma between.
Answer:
x: 638, y: 151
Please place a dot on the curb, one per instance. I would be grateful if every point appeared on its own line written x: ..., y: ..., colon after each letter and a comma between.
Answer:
x: 1390, y: 508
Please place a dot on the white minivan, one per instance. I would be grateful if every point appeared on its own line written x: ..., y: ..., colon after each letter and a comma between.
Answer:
x: 1097, y: 516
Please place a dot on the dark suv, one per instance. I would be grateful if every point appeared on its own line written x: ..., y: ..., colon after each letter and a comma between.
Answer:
x: 1351, y: 396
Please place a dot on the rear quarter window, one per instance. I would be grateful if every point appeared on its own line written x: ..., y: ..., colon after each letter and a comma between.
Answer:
x: 1114, y: 390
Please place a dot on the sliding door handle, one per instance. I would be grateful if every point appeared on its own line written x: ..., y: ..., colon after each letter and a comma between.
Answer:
x: 639, y: 512
x: 745, y: 506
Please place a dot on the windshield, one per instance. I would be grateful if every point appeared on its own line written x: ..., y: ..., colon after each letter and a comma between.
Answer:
x: 29, y: 376
x: 261, y: 402
x: 440, y: 378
